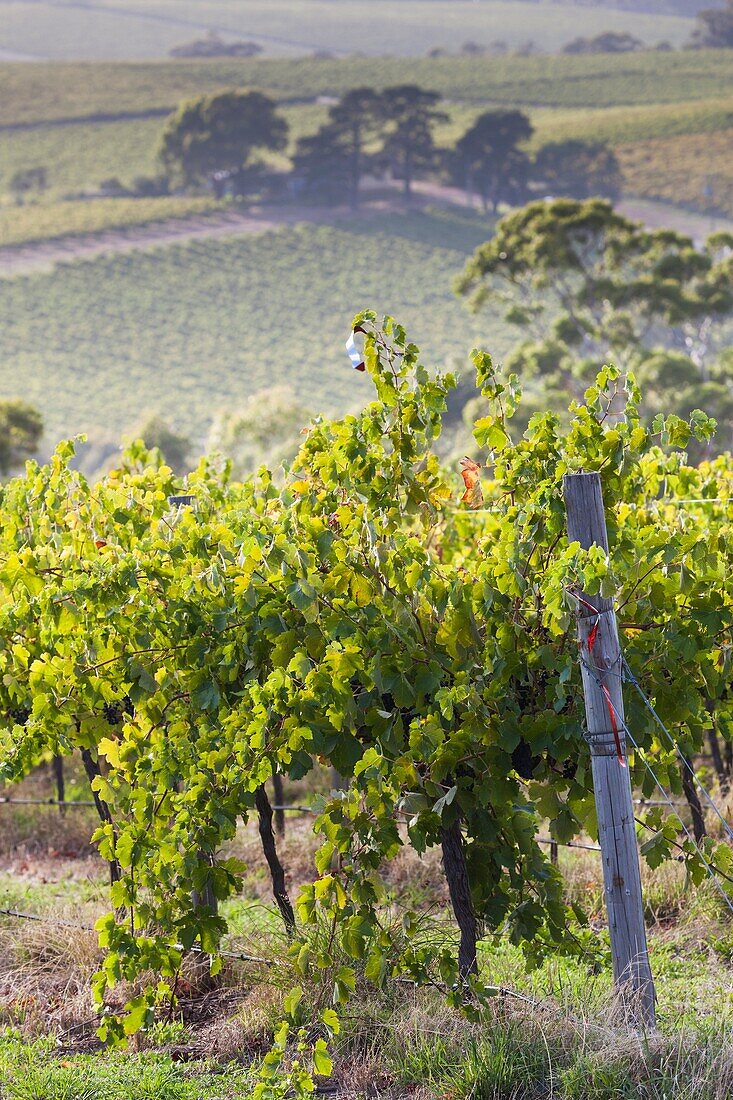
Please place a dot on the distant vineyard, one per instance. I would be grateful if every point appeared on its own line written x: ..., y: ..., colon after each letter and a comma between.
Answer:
x: 79, y: 156
x: 42, y: 92
x: 621, y: 125
x: 189, y: 329
x: 20, y: 225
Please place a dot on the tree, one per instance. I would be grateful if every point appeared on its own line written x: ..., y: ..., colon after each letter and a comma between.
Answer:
x: 174, y: 447
x: 488, y: 157
x: 410, y: 115
x: 334, y: 158
x: 579, y: 169
x: 21, y: 428
x: 714, y: 28
x: 215, y: 46
x: 586, y: 286
x: 266, y: 430
x: 608, y: 42
x: 27, y: 180
x: 321, y: 162
x: 214, y: 138
x: 357, y: 121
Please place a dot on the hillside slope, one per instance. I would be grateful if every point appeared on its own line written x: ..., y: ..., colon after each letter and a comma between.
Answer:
x: 126, y: 29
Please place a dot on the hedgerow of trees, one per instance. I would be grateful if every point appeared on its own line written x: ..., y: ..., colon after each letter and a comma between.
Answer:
x: 21, y: 428
x: 215, y: 139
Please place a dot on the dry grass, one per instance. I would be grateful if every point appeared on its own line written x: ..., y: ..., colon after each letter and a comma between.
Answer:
x: 45, y: 975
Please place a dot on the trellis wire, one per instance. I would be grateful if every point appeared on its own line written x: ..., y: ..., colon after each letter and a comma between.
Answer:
x: 631, y: 678
x: 670, y: 501
x: 76, y: 926
x: 642, y: 756
x: 43, y: 802
x: 235, y: 955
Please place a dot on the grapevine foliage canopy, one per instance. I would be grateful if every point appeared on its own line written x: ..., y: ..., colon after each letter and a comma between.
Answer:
x: 358, y: 617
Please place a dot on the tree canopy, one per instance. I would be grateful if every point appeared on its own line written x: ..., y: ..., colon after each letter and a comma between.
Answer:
x: 410, y: 114
x: 608, y: 42
x: 579, y: 169
x: 174, y: 447
x: 21, y: 428
x: 214, y: 138
x: 335, y: 156
x: 714, y: 27
x: 586, y: 286
x: 267, y: 428
x: 489, y: 158
x: 28, y: 180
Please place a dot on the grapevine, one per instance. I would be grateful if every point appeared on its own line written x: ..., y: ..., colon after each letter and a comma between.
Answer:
x: 359, y: 616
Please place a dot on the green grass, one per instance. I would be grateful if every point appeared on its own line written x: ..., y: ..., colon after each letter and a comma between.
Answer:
x: 559, y: 1039
x: 34, y: 1071
x: 120, y: 29
x: 561, y: 1042
x: 188, y: 329
x: 34, y: 93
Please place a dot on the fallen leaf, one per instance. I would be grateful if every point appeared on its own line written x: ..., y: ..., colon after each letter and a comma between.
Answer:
x: 471, y: 474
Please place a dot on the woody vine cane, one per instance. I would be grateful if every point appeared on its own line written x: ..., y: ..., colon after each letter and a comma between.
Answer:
x: 600, y: 656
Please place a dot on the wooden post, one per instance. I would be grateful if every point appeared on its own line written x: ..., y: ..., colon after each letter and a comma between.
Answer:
x: 600, y: 654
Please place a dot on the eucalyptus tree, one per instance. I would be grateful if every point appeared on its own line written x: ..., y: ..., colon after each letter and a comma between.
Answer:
x: 584, y: 286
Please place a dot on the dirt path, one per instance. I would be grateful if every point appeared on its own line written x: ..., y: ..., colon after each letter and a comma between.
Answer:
x: 44, y: 255
x: 662, y: 215
x: 656, y: 215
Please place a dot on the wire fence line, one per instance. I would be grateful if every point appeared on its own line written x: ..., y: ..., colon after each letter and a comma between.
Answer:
x: 260, y: 960
x: 627, y: 673
x: 631, y: 678
x: 62, y: 803
x: 74, y: 803
x: 282, y: 809
x: 77, y: 926
x: 672, y: 502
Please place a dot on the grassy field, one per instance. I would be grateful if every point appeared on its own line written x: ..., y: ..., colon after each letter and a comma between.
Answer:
x: 126, y: 29
x: 188, y: 329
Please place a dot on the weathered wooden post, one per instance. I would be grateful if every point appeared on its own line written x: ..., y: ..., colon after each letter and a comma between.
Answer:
x: 600, y: 655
